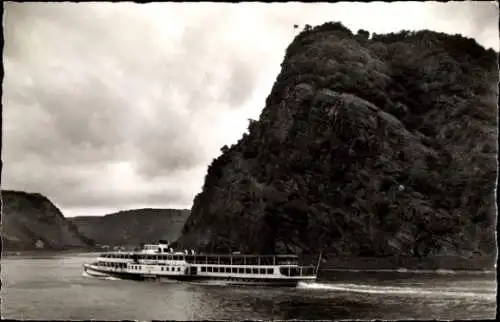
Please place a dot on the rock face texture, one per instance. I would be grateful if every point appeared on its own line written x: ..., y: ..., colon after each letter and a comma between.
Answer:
x: 31, y: 221
x: 381, y: 145
x: 133, y: 227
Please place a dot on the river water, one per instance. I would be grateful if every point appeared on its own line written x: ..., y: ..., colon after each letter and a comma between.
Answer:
x: 53, y: 287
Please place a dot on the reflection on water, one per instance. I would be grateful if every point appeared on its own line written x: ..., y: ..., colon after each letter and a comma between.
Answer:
x: 54, y: 287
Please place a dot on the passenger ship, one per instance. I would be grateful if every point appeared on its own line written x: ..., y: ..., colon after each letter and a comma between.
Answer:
x: 158, y: 261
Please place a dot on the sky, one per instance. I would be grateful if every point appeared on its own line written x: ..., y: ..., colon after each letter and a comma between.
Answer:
x: 113, y: 106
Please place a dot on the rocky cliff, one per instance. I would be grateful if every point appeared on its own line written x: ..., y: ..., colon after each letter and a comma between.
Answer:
x: 31, y: 221
x: 133, y: 227
x: 369, y: 145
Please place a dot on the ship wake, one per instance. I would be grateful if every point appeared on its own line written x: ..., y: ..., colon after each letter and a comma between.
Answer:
x: 396, y: 290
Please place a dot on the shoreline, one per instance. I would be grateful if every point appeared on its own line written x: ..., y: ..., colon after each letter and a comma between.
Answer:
x: 365, y: 264
x: 454, y: 263
x: 17, y: 253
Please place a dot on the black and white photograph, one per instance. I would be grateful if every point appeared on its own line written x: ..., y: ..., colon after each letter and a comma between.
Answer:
x: 187, y: 161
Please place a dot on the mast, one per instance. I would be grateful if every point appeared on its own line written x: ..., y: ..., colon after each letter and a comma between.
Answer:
x: 319, y: 261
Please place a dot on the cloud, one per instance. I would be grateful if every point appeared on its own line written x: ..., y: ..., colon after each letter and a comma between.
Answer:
x: 114, y: 105
x: 476, y: 19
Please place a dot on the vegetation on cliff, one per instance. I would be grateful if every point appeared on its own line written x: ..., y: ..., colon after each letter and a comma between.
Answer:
x: 31, y: 221
x: 369, y: 145
x: 133, y: 227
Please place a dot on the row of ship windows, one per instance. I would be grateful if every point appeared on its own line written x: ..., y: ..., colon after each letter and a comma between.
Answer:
x: 172, y: 269
x: 168, y: 268
x: 115, y: 265
x: 204, y: 269
x: 239, y: 270
x: 124, y: 265
x: 144, y: 257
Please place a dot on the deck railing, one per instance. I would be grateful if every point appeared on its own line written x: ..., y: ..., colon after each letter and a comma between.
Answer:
x: 258, y: 260
x: 225, y: 259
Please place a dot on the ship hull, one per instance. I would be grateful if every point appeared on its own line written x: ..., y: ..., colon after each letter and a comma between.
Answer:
x: 95, y: 272
x: 215, y: 280
x: 240, y: 281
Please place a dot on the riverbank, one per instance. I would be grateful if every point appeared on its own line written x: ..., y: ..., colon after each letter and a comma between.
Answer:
x: 410, y: 263
x: 46, y: 252
x: 339, y: 263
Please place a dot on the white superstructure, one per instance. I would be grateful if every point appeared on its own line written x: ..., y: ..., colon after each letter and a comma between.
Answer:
x: 160, y: 261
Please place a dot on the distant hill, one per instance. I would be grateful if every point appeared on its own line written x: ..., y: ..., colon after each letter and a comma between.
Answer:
x: 31, y: 221
x: 132, y: 227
